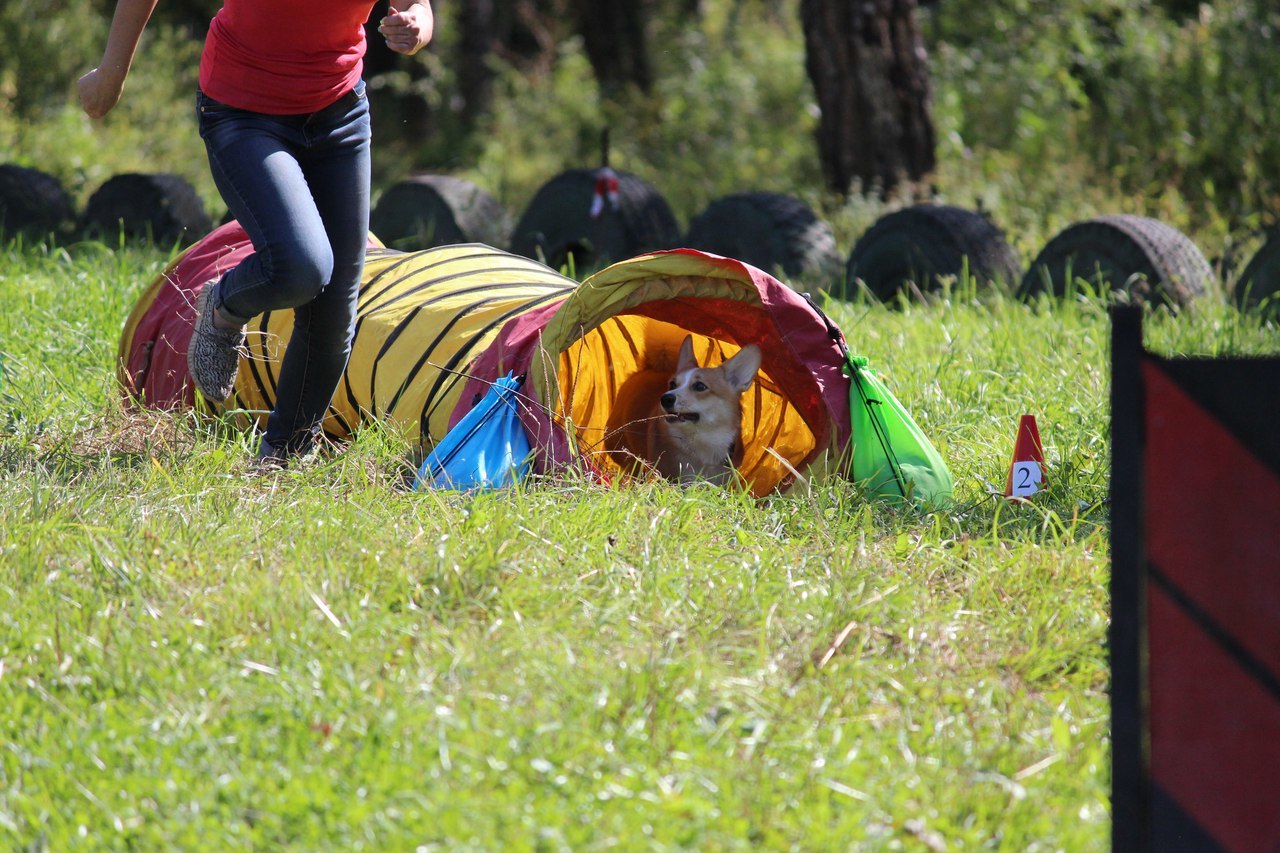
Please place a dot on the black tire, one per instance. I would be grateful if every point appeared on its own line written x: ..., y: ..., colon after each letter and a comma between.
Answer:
x: 911, y: 249
x: 557, y: 224
x: 1259, y: 284
x: 1143, y: 258
x: 771, y: 231
x: 160, y: 208
x: 33, y: 204
x: 426, y: 211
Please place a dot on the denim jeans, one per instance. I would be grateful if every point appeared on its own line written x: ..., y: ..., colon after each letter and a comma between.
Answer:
x: 299, y: 186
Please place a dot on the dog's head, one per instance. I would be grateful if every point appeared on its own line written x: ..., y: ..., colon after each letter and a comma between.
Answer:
x: 708, y: 397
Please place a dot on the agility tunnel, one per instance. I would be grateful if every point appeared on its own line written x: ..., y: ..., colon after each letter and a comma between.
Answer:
x: 437, y: 327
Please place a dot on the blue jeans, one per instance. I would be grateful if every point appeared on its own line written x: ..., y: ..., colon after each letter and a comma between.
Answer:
x: 299, y: 186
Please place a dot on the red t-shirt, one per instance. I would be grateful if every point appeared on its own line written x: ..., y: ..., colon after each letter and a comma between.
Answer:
x: 284, y: 57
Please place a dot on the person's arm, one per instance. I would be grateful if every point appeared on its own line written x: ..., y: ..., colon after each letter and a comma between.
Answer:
x: 100, y: 89
x: 409, y: 31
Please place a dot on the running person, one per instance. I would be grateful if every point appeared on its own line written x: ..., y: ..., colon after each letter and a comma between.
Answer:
x: 282, y: 111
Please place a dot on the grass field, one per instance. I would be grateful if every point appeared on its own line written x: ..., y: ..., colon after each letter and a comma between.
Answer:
x: 320, y: 659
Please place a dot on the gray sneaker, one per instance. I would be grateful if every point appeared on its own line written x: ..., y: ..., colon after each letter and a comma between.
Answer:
x: 213, y: 356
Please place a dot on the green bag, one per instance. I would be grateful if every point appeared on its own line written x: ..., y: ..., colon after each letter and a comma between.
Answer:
x: 892, y: 457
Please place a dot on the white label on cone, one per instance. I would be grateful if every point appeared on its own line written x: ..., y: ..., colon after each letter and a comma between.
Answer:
x: 1026, y: 478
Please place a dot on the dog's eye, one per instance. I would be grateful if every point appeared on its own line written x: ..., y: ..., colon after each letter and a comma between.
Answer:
x: 699, y: 386
x: 672, y: 386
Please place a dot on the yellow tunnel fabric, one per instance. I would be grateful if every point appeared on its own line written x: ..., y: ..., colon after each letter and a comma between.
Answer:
x: 421, y: 318
x: 617, y: 338
x: 627, y: 357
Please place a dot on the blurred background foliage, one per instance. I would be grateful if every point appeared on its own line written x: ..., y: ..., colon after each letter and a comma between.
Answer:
x: 1046, y: 111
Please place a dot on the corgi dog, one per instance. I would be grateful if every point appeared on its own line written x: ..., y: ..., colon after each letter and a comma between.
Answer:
x: 693, y: 430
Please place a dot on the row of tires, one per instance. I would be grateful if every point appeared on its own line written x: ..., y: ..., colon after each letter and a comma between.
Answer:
x: 908, y: 251
x: 160, y: 207
x: 584, y: 219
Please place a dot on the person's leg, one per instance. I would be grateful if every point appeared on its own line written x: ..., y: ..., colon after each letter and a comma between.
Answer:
x: 277, y: 174
x: 254, y: 160
x: 335, y: 163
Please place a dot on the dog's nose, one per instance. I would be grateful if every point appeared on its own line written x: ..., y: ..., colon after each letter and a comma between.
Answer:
x: 668, y: 401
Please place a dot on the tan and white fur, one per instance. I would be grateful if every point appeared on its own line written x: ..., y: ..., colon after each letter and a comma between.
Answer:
x: 693, y: 431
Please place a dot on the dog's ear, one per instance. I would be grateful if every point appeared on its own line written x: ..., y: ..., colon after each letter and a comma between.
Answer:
x: 740, y: 371
x: 686, y: 360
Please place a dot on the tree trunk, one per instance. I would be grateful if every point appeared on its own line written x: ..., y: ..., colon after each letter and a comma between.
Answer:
x: 477, y: 36
x: 523, y: 33
x: 867, y: 61
x: 615, y: 38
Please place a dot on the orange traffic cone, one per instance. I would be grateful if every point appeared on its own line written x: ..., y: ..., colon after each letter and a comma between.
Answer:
x: 1026, y: 473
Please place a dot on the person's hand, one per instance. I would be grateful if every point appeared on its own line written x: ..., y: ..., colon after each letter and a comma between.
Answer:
x: 99, y: 92
x: 409, y: 31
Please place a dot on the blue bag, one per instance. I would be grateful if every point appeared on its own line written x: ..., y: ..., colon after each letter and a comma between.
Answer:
x: 487, y: 449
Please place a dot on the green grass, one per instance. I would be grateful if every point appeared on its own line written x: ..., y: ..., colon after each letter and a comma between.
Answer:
x: 191, y: 657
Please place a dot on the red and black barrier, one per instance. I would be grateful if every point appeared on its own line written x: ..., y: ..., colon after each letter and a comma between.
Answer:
x: 1195, y: 598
